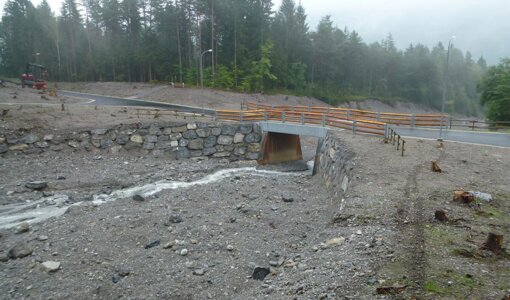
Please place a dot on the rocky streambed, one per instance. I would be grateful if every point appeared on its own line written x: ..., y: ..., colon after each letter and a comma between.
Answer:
x: 193, y: 229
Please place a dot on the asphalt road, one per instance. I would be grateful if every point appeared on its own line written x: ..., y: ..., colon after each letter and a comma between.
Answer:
x: 115, y: 101
x: 476, y: 137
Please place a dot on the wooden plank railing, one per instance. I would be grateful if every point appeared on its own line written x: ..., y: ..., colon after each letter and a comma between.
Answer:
x: 301, y: 117
x: 431, y: 120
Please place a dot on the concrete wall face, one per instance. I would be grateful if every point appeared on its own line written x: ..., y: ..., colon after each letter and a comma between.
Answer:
x: 177, y: 140
x: 335, y: 163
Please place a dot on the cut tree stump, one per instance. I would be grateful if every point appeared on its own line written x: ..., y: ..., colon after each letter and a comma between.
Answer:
x: 440, y: 215
x: 390, y: 290
x: 494, y: 243
x: 435, y: 167
x: 464, y: 197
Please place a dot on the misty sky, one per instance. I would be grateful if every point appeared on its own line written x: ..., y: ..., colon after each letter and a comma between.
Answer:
x: 480, y: 26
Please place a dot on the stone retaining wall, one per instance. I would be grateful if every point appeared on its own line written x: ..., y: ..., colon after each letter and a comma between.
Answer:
x: 335, y: 163
x: 177, y: 140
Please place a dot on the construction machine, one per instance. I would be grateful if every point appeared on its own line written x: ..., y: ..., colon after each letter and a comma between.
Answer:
x: 34, y: 76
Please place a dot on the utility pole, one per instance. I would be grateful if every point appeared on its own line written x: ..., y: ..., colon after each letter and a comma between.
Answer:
x: 212, y: 38
x: 445, y: 88
x: 201, y: 68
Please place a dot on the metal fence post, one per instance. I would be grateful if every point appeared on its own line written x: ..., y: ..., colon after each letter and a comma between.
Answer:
x: 241, y: 116
x: 323, y: 120
x: 378, y: 117
x: 413, y: 120
x: 354, y: 127
x: 385, y: 131
x: 283, y: 117
x: 302, y: 118
x: 265, y: 115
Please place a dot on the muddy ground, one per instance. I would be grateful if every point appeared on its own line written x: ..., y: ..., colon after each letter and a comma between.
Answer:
x: 380, y: 233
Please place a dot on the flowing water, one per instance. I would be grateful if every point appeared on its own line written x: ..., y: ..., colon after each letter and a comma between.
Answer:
x: 37, y: 211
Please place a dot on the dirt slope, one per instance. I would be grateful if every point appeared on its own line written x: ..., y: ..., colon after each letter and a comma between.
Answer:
x: 217, y: 99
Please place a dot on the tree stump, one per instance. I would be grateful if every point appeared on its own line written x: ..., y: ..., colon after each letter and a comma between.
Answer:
x: 435, y: 167
x: 464, y: 197
x: 440, y: 215
x: 494, y: 243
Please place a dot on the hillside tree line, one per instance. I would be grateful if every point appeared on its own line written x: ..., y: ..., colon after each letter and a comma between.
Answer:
x: 255, y: 49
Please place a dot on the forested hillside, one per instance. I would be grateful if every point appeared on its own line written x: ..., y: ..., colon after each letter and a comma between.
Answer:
x: 254, y: 49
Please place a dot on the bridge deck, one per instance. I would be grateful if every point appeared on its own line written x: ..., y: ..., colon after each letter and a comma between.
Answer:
x: 297, y: 129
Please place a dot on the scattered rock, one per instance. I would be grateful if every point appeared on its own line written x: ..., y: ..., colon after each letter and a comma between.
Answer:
x: 18, y: 147
x: 29, y: 139
x: 259, y: 273
x: 20, y: 251
x: 287, y: 199
x: 482, y: 196
x: 230, y: 248
x: 36, y: 185
x: 184, y: 252
x: 42, y: 238
x: 169, y: 245
x: 22, y: 228
x: 115, y: 278
x: 3, y: 257
x: 123, y: 272
x: 199, y: 272
x: 335, y: 241
x: 277, y: 263
x: 138, y: 198
x: 173, y: 219
x: 152, y: 244
x: 51, y: 266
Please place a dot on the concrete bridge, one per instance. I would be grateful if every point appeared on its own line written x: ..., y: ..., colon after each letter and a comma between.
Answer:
x: 281, y: 141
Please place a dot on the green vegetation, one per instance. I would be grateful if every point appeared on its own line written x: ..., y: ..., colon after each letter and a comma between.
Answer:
x: 255, y: 49
x: 495, y: 89
x: 432, y: 287
x: 439, y: 235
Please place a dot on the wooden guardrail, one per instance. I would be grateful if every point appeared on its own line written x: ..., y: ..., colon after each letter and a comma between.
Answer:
x: 479, y: 125
x: 301, y: 117
x: 431, y: 120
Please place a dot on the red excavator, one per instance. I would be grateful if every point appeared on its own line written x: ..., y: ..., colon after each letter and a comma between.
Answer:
x: 33, y: 76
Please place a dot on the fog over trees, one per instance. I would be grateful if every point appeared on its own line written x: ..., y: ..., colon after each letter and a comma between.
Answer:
x: 255, y: 49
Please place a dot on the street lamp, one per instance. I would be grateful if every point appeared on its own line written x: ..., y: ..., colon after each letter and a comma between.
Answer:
x: 201, y: 69
x: 445, y: 88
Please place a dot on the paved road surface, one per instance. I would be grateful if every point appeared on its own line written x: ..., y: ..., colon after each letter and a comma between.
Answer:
x: 115, y: 101
x: 486, y: 138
